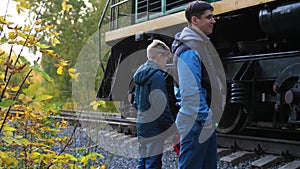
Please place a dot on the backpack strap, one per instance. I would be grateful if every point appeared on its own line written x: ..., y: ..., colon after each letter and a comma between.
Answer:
x: 205, y: 82
x: 178, y: 50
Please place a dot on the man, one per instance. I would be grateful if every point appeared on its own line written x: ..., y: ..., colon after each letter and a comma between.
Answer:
x: 192, y: 49
x: 154, y: 115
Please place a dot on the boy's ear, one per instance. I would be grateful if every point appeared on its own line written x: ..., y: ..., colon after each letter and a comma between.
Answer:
x: 159, y: 56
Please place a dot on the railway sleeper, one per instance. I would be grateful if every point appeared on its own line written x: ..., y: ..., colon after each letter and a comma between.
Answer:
x: 267, y: 161
x: 238, y: 157
x: 292, y: 165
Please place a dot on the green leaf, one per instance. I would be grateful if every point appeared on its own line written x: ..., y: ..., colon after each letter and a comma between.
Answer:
x: 23, y: 59
x: 18, y: 137
x: 7, y: 103
x: 3, y: 40
x: 36, y: 68
x: 23, y: 141
x: 71, y: 157
x: 44, y: 97
x: 43, y: 46
x: 8, y: 140
x: 48, y: 107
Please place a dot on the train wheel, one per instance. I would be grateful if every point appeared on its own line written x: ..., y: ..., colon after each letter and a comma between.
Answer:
x: 234, y: 119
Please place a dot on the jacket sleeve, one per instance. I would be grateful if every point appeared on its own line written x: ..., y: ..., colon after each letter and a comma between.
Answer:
x: 160, y: 98
x: 193, y: 102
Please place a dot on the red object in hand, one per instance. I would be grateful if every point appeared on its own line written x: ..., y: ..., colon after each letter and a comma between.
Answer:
x: 176, y: 147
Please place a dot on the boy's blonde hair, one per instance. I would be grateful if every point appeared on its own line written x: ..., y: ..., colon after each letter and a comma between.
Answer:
x: 158, y: 47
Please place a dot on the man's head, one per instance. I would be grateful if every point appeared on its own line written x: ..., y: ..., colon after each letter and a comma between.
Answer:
x: 158, y: 52
x: 199, y: 15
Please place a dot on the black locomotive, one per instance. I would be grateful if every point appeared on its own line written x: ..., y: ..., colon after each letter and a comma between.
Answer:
x: 258, y: 44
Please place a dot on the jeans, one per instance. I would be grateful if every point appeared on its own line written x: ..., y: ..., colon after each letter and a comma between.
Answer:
x: 150, y: 154
x: 195, y: 154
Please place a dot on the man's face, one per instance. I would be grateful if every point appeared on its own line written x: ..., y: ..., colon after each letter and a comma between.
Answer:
x: 205, y: 22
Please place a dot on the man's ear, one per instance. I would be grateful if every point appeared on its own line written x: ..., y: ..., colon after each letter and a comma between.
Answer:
x: 194, y: 20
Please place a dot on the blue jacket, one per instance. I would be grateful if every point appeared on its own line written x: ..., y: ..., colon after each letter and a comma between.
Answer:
x: 191, y: 93
x: 154, y: 115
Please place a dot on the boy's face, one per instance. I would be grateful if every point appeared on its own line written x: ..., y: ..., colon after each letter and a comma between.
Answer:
x: 162, y: 61
x: 205, y: 22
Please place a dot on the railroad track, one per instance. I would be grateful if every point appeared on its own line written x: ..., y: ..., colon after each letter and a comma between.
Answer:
x: 262, y: 152
x: 114, y: 120
x: 234, y: 150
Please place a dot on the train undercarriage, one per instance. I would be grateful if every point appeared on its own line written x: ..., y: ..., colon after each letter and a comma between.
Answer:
x: 260, y: 52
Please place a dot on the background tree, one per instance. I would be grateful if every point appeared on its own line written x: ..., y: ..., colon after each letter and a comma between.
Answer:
x: 74, y: 25
x: 28, y: 133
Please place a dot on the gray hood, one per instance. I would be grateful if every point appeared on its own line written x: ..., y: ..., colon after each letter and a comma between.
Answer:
x: 190, y: 37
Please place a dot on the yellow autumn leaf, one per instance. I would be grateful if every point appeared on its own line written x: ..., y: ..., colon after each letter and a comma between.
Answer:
x: 8, y: 128
x: 71, y: 157
x: 99, y: 155
x: 19, y: 9
x: 27, y: 28
x: 65, y: 6
x: 15, y: 89
x: 6, y: 95
x: 27, y: 82
x: 84, y: 160
x: 42, y: 46
x: 9, y: 161
x: 49, y: 26
x: 2, y: 75
x: 63, y: 124
x: 72, y: 70
x: 52, y: 34
x: 17, y: 27
x: 72, y: 74
x: 103, y: 166
x: 25, y: 4
x: 60, y: 70
x: 64, y: 63
x: 23, y: 35
x: 37, y: 29
x: 55, y: 41
x: 35, y: 155
x: 12, y: 35
x: 94, y: 104
x: 4, y: 21
x: 49, y: 52
x: 25, y: 99
x: 93, y: 157
x: 38, y: 22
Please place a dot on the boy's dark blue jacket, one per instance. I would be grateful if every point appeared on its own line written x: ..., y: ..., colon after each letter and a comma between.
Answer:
x: 154, y: 115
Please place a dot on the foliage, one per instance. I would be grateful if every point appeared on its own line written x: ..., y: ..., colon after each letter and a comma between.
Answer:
x: 28, y: 131
x: 74, y: 25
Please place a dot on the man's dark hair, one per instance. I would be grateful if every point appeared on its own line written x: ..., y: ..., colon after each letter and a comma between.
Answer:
x: 196, y: 8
